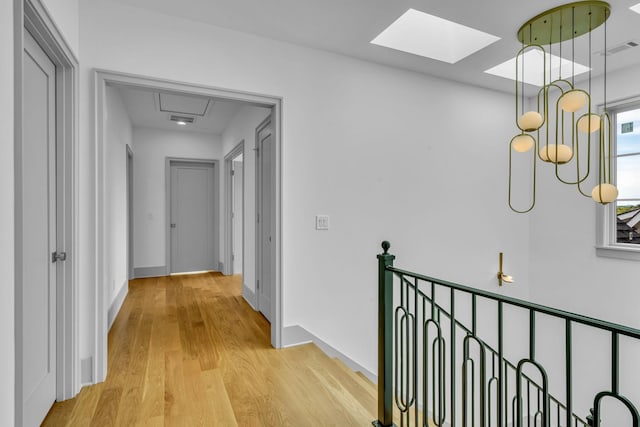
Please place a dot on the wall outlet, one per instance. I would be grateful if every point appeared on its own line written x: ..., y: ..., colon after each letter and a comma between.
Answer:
x: 322, y: 222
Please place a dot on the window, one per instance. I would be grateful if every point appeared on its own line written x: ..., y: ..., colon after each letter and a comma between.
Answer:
x: 619, y: 222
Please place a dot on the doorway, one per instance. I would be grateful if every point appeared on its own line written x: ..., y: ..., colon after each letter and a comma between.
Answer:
x: 104, y: 78
x: 129, y: 172
x: 234, y: 211
x: 193, y: 207
x: 46, y: 216
x: 265, y: 178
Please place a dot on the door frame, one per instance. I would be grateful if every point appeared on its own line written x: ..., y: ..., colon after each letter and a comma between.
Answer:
x: 228, y: 202
x: 32, y: 16
x: 103, y: 77
x: 216, y: 202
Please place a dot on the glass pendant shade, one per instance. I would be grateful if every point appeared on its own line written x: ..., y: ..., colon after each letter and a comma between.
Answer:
x: 573, y: 101
x: 589, y: 123
x: 604, y: 193
x: 556, y: 153
x: 530, y: 121
x: 523, y: 143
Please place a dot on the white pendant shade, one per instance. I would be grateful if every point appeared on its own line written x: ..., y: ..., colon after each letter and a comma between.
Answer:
x: 589, y: 123
x: 552, y: 152
x: 530, y: 121
x: 604, y: 193
x: 522, y: 143
x: 573, y: 100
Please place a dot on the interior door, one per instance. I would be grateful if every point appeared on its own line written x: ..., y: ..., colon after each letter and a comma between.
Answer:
x: 237, y: 216
x: 192, y: 217
x: 265, y: 220
x: 38, y: 204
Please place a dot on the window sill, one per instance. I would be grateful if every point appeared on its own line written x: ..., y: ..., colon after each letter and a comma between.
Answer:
x: 619, y: 252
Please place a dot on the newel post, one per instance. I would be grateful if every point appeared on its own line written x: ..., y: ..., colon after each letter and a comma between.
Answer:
x: 385, y: 338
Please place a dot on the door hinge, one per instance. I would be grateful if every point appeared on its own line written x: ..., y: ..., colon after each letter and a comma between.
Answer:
x: 58, y: 256
x: 233, y: 172
x: 233, y: 257
x: 257, y: 284
x: 257, y: 217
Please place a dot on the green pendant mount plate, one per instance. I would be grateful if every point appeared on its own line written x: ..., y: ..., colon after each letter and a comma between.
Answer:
x: 564, y: 23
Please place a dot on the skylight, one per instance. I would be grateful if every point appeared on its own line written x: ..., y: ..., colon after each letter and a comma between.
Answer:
x: 432, y: 37
x: 534, y: 63
x: 636, y: 8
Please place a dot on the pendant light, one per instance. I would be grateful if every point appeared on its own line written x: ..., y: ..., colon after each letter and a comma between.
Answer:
x: 563, y: 127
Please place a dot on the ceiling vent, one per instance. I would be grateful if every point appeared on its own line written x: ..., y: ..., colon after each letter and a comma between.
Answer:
x: 618, y: 48
x: 181, y: 120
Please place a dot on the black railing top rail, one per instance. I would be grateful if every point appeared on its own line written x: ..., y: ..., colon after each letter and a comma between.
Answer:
x: 578, y: 318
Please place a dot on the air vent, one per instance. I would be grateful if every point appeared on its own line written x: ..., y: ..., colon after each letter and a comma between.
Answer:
x: 181, y: 120
x: 619, y: 48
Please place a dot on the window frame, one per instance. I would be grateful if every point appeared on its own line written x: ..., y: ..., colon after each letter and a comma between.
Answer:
x: 606, y: 226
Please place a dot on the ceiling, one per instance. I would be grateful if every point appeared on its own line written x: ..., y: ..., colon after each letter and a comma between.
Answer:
x: 347, y: 27
x: 152, y: 109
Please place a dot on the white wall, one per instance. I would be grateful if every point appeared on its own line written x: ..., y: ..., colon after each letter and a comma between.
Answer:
x: 430, y: 160
x: 7, y: 260
x: 118, y: 134
x: 243, y: 127
x: 65, y: 14
x: 152, y: 147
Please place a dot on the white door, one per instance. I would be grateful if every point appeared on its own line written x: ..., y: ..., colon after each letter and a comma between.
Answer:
x: 192, y: 217
x: 265, y: 220
x: 236, y: 215
x: 38, y: 228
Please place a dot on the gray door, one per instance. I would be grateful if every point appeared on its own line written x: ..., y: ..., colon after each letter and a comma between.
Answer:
x: 237, y: 215
x: 192, y: 217
x: 265, y: 220
x: 38, y: 228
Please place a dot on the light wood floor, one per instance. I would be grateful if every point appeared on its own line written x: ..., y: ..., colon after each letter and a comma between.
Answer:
x: 189, y: 351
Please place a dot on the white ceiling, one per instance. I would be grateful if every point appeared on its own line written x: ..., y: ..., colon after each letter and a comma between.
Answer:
x: 347, y: 27
x: 150, y: 108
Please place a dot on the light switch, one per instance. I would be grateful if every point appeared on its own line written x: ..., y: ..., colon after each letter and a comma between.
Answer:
x: 322, y: 222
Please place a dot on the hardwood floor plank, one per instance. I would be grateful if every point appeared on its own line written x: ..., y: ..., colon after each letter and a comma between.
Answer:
x: 107, y: 408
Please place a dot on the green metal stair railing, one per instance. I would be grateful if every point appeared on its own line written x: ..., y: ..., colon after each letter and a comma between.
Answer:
x: 416, y: 363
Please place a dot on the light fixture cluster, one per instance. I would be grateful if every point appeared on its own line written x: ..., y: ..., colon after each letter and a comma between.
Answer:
x: 563, y: 128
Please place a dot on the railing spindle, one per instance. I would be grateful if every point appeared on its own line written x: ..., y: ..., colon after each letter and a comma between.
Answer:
x: 569, y: 371
x: 452, y: 318
x: 501, y: 396
x: 615, y: 363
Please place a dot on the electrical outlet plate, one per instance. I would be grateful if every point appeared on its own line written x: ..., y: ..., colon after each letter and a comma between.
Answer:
x: 322, y: 222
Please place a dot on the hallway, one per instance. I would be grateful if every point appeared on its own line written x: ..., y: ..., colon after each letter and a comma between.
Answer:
x: 189, y: 351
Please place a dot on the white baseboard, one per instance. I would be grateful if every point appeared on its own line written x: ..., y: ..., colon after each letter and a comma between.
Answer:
x: 116, y: 305
x: 141, y: 272
x: 297, y: 335
x: 249, y: 296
